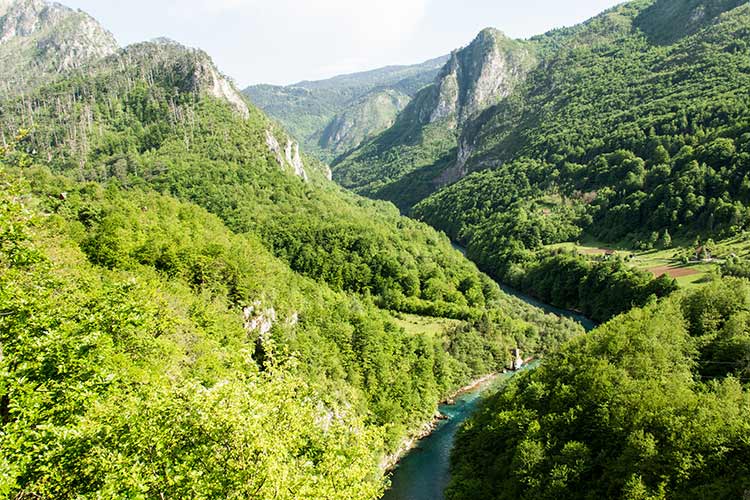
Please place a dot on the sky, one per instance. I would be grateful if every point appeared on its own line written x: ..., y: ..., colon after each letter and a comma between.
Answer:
x: 286, y: 41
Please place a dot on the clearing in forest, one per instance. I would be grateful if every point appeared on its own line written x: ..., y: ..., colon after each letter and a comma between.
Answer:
x: 673, y: 271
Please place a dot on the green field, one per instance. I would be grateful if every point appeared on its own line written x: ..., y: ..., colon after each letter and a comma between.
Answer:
x: 416, y: 325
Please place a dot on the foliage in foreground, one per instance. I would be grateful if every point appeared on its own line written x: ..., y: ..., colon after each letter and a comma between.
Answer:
x: 126, y: 384
x: 652, y: 405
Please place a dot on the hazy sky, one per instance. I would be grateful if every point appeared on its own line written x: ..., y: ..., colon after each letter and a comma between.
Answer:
x: 285, y: 41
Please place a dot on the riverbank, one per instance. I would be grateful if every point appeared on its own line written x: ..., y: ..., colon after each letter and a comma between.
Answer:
x: 410, y: 442
x: 587, y: 323
x: 468, y: 388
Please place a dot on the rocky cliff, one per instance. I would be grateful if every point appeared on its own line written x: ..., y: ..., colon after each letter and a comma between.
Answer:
x: 477, y: 76
x: 425, y: 134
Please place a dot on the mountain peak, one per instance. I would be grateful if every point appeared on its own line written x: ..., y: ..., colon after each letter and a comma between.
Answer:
x: 39, y: 39
x: 25, y: 18
x: 163, y: 40
x: 479, y: 74
x: 490, y: 33
x: 191, y: 70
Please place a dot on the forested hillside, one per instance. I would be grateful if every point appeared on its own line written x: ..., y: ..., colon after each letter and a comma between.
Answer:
x: 634, y: 130
x: 126, y: 370
x: 642, y: 136
x: 179, y: 283
x: 653, y: 405
x: 186, y: 134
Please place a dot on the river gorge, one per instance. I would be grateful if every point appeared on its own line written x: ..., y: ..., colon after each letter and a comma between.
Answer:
x: 424, y: 472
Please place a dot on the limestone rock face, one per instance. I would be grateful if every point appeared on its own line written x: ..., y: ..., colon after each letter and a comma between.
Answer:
x: 288, y: 157
x: 258, y: 319
x: 424, y: 145
x: 39, y: 40
x: 478, y: 76
x: 208, y: 78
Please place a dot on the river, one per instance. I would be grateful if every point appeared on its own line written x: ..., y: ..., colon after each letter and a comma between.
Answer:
x: 424, y: 472
x: 587, y: 324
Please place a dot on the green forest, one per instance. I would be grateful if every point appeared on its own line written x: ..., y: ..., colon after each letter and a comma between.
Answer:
x: 639, y: 140
x: 652, y: 405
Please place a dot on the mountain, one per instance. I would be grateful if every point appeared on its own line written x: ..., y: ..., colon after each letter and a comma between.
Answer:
x: 361, y: 119
x: 179, y: 282
x: 415, y: 158
x: 424, y: 136
x: 331, y: 117
x: 39, y: 39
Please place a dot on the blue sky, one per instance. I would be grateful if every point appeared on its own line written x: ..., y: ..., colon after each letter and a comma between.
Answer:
x: 284, y: 41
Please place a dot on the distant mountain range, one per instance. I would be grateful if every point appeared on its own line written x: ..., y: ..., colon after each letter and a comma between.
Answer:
x: 331, y: 117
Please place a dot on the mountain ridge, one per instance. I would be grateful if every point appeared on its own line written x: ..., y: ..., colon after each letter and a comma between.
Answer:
x: 333, y: 116
x: 425, y: 135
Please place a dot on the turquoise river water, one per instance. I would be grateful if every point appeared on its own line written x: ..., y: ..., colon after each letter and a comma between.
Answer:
x: 423, y: 473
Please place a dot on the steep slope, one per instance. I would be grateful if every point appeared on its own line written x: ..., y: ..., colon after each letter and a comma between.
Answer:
x: 333, y: 116
x: 412, y: 158
x: 361, y: 120
x: 160, y: 114
x: 667, y: 22
x: 416, y: 157
x: 620, y: 137
x: 128, y: 369
x: 39, y: 39
x: 599, y: 131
